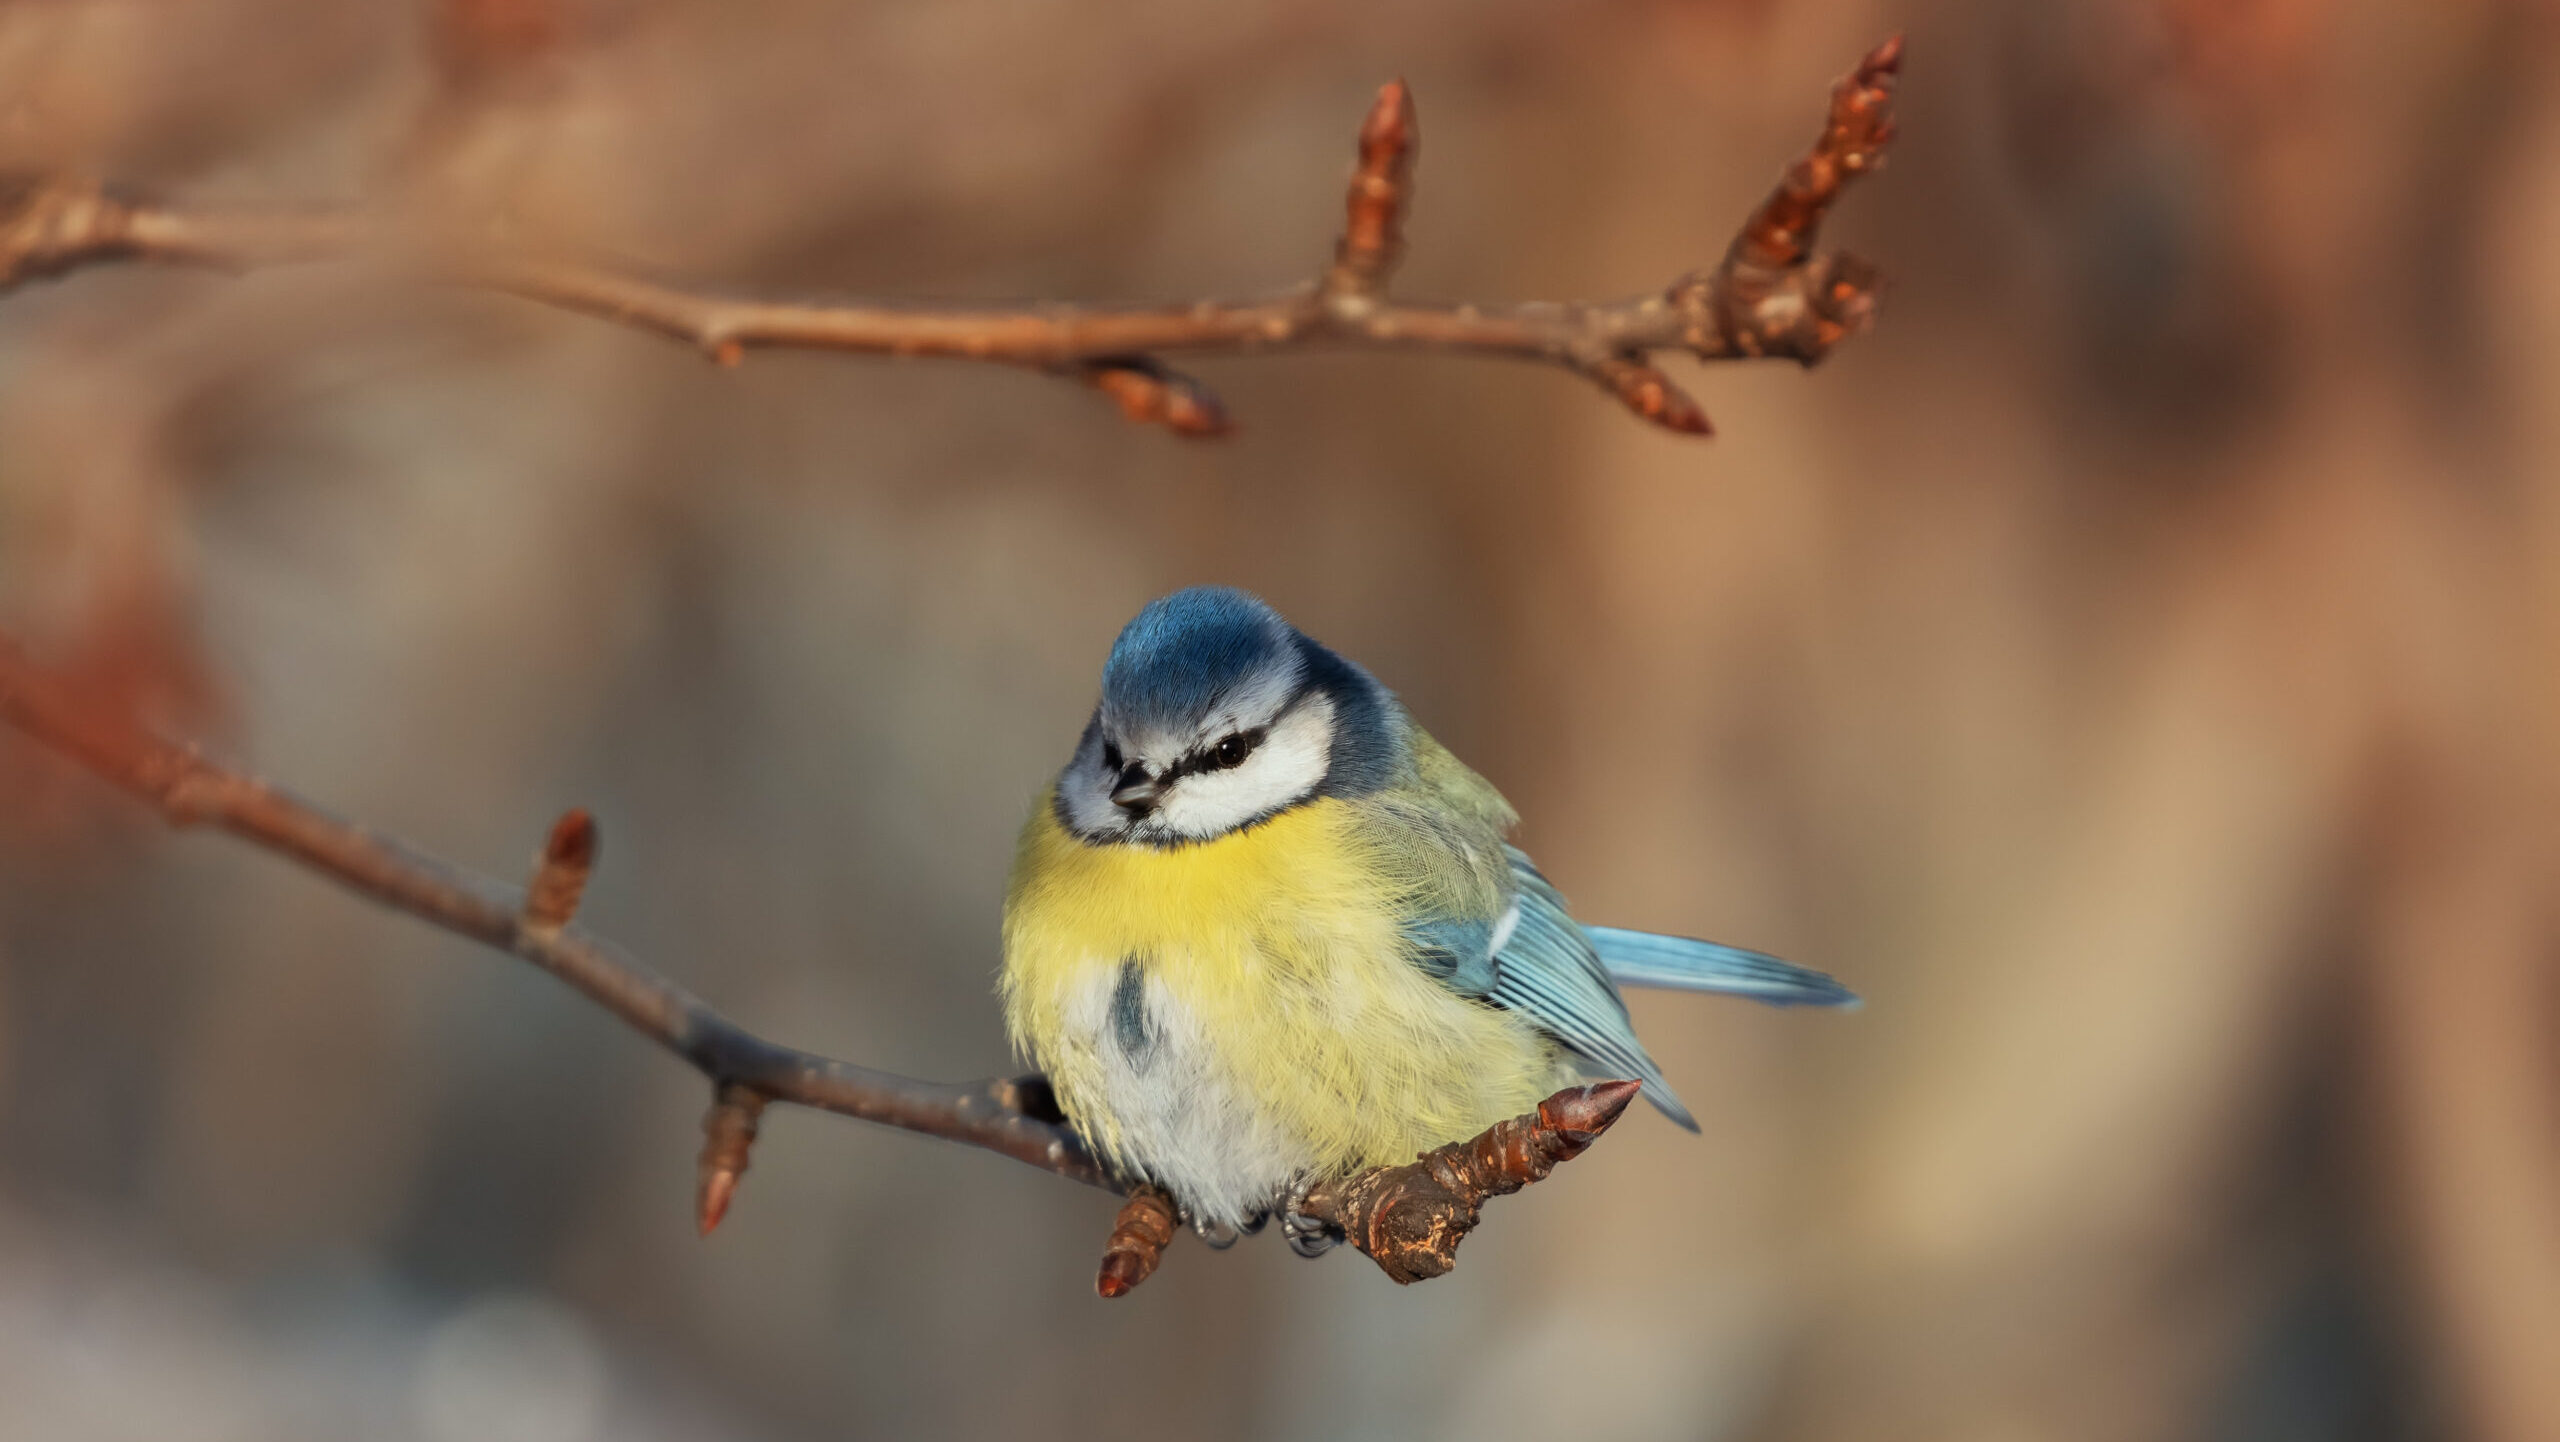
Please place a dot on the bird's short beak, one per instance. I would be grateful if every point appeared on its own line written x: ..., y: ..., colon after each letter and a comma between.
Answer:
x: 1137, y: 791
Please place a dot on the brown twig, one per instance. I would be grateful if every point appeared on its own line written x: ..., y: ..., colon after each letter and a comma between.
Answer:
x: 728, y: 1135
x: 1771, y: 296
x: 1381, y: 189
x: 1144, y: 1228
x: 560, y: 873
x: 1149, y: 393
x: 1408, y: 1218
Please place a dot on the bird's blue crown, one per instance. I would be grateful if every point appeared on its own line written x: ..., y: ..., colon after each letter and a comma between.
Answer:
x: 1186, y: 651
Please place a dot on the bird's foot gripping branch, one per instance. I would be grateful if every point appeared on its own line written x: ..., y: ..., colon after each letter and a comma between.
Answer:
x: 1408, y: 1218
x: 1773, y: 295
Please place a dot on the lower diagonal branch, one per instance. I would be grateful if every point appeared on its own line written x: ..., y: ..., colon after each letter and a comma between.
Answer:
x: 1009, y: 1117
x: 1409, y: 1218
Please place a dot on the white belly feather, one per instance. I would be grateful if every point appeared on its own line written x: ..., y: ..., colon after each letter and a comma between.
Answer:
x: 1173, y: 1103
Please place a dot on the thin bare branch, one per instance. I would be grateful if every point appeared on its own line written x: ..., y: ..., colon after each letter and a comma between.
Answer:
x: 189, y: 790
x: 1773, y: 295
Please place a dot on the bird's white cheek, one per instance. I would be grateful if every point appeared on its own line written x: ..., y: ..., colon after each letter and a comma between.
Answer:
x: 1288, y: 765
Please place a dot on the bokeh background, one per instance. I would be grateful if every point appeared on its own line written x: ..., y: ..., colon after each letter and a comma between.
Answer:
x: 2132, y: 667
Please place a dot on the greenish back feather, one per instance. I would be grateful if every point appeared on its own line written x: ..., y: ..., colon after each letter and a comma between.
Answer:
x: 1447, y: 827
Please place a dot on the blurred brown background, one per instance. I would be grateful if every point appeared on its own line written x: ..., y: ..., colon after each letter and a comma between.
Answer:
x: 2132, y: 667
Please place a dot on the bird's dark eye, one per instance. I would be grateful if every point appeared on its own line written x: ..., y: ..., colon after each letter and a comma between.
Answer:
x: 1233, y: 750
x: 1111, y: 755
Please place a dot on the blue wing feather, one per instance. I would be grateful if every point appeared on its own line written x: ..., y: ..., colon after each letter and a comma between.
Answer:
x: 1642, y: 958
x: 1547, y: 970
x: 1565, y: 976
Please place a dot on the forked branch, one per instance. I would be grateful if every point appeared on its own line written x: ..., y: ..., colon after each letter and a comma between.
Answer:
x: 1409, y: 1218
x: 1772, y: 295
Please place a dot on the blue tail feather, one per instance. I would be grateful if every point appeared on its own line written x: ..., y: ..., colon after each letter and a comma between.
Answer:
x: 1642, y: 958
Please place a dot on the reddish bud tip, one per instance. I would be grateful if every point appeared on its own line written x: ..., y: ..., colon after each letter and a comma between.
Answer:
x: 560, y: 874
x: 712, y: 1206
x: 1590, y: 1108
x: 1688, y: 421
x: 1195, y: 414
x: 573, y: 841
x: 1145, y: 1227
x: 1885, y: 59
x: 1388, y: 131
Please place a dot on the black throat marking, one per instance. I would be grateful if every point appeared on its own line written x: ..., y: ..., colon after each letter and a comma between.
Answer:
x: 1129, y: 1024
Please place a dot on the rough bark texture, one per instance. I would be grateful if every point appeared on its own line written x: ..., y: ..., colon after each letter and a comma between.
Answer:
x: 1410, y: 1219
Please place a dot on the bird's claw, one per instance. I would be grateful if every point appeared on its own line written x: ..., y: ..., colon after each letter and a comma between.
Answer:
x: 1308, y: 1236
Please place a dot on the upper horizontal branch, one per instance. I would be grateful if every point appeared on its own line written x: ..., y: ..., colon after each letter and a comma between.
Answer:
x: 1772, y: 295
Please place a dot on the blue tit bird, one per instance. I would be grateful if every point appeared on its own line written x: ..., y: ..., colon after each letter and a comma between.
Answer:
x: 1263, y: 931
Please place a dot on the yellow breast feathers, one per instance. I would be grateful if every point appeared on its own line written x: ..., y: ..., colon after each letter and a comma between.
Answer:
x: 1260, y: 983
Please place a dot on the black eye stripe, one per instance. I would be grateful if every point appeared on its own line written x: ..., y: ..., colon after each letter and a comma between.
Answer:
x: 1233, y: 749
